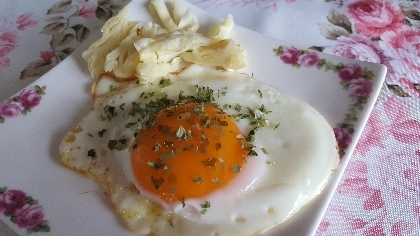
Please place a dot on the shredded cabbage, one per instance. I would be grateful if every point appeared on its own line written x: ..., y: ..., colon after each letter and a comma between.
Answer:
x: 145, y: 50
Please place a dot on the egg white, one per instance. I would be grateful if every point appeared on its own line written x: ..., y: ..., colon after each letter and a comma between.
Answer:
x: 293, y: 164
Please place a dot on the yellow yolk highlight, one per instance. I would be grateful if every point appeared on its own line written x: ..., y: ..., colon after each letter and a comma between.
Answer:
x: 190, y: 151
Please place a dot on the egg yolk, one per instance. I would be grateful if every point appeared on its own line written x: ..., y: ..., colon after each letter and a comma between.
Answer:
x: 190, y: 151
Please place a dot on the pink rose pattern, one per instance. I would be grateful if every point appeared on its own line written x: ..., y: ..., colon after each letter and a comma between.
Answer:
x: 11, y: 200
x: 350, y: 72
x: 309, y: 59
x: 382, y: 177
x: 10, y: 109
x: 361, y: 48
x: 8, y: 42
x: 47, y: 56
x: 360, y: 87
x: 290, y: 55
x: 343, y: 136
x: 21, y: 103
x: 297, y: 57
x: 23, y: 210
x: 29, y: 98
x: 87, y: 11
x: 9, y: 35
x: 373, y: 18
x: 403, y: 45
x: 24, y: 21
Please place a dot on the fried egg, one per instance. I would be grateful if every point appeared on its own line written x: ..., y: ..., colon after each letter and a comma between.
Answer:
x: 202, y: 152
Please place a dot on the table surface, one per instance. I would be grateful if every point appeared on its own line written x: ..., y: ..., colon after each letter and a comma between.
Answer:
x: 379, y: 193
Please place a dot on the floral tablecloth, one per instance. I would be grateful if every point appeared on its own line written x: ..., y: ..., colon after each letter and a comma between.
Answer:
x: 379, y: 193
